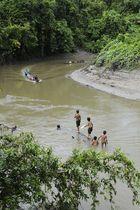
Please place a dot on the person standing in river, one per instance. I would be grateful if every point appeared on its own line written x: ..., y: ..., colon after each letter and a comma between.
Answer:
x: 103, y: 138
x: 77, y: 116
x: 90, y: 127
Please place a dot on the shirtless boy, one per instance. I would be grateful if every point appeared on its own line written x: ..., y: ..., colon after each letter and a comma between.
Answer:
x: 103, y: 138
x: 95, y: 141
x: 90, y: 127
x: 78, y: 120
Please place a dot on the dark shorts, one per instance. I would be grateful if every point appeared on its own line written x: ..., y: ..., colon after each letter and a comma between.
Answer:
x: 89, y: 130
x: 78, y: 123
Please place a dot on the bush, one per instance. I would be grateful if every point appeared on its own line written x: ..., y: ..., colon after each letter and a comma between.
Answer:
x: 124, y: 51
x: 101, y: 31
x: 64, y: 37
x: 31, y: 174
x: 24, y: 168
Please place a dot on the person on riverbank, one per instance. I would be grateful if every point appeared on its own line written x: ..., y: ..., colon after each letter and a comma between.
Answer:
x: 103, y: 138
x: 95, y: 141
x: 90, y: 127
x: 77, y: 116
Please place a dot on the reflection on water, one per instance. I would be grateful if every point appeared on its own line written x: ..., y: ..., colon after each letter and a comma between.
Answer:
x: 40, y: 107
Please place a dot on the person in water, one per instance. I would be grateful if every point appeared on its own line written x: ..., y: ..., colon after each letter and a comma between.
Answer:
x: 95, y: 141
x: 77, y: 116
x: 103, y: 138
x: 58, y: 127
x: 36, y: 78
x: 90, y: 127
x: 14, y: 128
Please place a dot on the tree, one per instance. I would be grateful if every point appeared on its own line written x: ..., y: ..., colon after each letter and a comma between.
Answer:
x: 31, y: 174
x: 17, y: 41
x: 123, y: 52
x: 64, y: 37
x: 24, y: 168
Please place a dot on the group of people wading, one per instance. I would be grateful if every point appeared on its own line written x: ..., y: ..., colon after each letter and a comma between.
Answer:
x: 89, y: 125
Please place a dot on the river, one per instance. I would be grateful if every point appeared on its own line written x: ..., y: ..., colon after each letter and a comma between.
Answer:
x: 40, y: 107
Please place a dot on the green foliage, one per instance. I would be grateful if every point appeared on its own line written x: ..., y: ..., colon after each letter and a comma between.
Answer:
x: 97, y: 172
x: 131, y: 6
x: 113, y: 23
x: 64, y: 37
x: 123, y: 52
x: 31, y: 174
x: 24, y: 168
x: 16, y: 39
x: 101, y: 31
x: 127, y: 6
x: 42, y: 27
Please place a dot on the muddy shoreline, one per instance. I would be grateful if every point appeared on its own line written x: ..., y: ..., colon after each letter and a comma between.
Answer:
x: 122, y: 83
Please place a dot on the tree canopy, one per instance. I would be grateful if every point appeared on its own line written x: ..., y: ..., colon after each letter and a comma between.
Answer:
x: 42, y: 27
x: 31, y: 174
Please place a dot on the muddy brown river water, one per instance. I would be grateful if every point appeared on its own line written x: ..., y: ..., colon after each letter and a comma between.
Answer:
x: 40, y: 107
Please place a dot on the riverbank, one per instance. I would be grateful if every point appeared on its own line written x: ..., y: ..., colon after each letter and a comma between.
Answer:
x: 120, y: 83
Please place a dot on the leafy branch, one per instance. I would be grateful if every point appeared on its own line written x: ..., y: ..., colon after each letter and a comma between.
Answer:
x: 31, y: 174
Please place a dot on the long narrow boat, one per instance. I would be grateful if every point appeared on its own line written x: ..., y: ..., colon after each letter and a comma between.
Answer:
x: 30, y: 77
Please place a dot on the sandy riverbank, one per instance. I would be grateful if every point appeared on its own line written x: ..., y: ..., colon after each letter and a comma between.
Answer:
x: 121, y: 83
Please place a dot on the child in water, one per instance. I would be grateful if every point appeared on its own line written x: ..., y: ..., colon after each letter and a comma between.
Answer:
x: 95, y: 141
x: 36, y: 78
x: 78, y: 120
x: 58, y: 127
x: 90, y: 127
x: 103, y: 138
